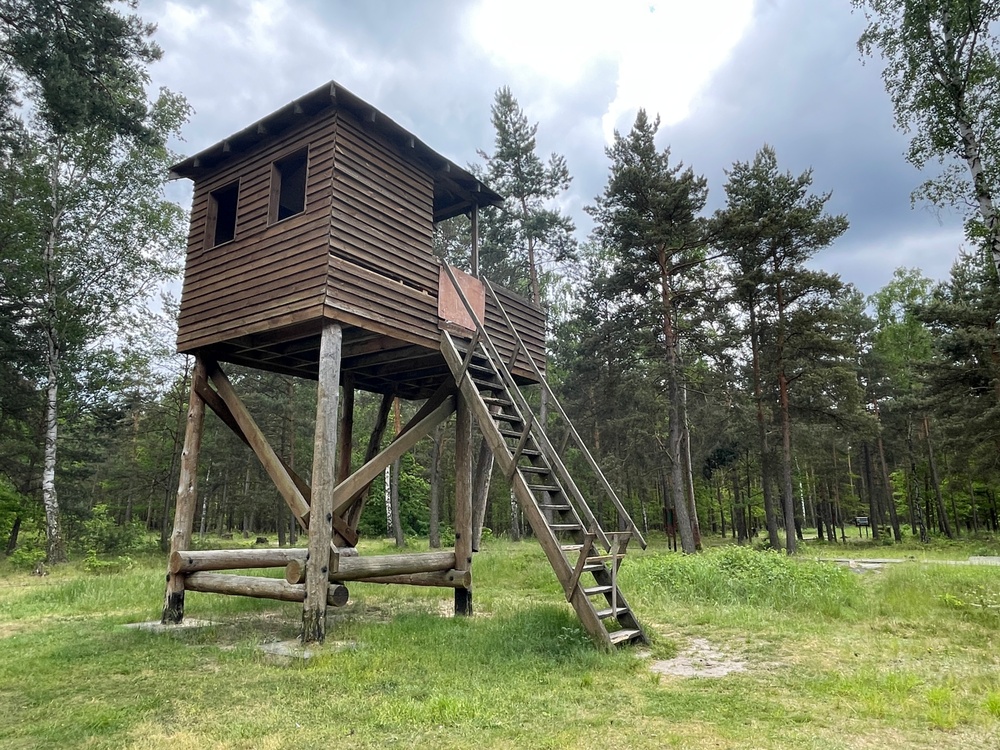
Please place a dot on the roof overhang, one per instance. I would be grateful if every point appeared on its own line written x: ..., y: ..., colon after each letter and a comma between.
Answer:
x: 456, y: 190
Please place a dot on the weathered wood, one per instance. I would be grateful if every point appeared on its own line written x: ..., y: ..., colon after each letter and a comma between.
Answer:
x: 450, y: 579
x: 355, y: 568
x: 187, y: 495
x: 463, y: 501
x: 347, y: 492
x: 258, y: 442
x: 324, y: 479
x: 260, y: 588
x: 196, y: 561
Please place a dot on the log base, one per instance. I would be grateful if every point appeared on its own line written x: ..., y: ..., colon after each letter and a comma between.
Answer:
x: 463, y: 602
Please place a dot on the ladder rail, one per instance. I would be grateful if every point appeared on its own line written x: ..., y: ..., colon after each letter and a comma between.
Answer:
x: 571, y: 430
x: 522, y: 406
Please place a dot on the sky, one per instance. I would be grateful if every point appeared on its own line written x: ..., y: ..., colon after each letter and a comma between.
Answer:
x: 725, y: 77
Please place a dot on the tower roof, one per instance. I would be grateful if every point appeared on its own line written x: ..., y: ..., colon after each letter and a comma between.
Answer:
x: 456, y: 190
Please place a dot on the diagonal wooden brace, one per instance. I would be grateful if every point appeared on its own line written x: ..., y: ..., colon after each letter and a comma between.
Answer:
x: 222, y: 410
x: 258, y: 443
x: 521, y: 443
x: 588, y: 545
x: 350, y: 489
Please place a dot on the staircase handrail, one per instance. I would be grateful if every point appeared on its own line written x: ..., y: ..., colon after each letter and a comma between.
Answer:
x: 523, y: 406
x: 588, y: 456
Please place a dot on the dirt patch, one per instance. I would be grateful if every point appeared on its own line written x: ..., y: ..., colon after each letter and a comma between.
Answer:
x: 699, y: 659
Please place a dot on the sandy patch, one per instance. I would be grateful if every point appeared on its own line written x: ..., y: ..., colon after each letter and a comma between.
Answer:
x: 699, y: 659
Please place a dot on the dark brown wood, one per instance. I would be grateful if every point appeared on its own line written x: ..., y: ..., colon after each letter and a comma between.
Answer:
x: 187, y: 495
x: 463, y: 500
x: 375, y: 566
x: 260, y: 588
x: 324, y: 479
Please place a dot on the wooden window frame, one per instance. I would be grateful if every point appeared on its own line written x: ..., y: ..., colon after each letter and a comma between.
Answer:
x: 212, y: 218
x: 274, y: 199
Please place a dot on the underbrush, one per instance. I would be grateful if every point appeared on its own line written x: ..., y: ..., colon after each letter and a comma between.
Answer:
x: 743, y: 576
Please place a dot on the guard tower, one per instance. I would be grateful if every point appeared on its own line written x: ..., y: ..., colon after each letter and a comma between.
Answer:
x: 309, y: 254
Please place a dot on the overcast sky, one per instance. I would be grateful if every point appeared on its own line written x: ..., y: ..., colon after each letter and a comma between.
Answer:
x: 725, y: 76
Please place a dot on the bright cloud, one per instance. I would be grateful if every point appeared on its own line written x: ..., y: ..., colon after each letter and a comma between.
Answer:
x: 665, y: 50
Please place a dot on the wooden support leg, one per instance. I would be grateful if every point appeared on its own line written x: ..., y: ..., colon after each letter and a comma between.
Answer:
x: 463, y: 501
x: 187, y: 495
x: 324, y: 479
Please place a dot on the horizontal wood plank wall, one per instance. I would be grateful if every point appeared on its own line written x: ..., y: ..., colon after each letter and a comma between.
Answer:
x: 383, y: 275
x: 268, y: 275
x: 530, y: 324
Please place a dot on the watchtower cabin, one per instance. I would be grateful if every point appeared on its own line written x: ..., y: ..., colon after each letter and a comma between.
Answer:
x: 310, y: 254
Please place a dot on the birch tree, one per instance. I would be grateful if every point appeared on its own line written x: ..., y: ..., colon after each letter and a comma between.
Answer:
x: 99, y: 236
x: 942, y: 71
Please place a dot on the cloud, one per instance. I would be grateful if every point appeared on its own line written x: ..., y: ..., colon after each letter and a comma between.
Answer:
x: 726, y: 77
x: 663, y: 52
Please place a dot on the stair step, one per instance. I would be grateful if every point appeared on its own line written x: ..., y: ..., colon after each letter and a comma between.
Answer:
x: 595, y: 590
x: 543, y: 488
x: 565, y: 527
x: 504, y: 417
x: 487, y: 384
x: 554, y: 506
x: 604, y: 614
x: 624, y: 635
x: 535, y: 469
x: 491, y: 401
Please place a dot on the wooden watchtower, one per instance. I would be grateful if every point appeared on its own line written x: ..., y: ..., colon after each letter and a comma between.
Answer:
x: 309, y: 254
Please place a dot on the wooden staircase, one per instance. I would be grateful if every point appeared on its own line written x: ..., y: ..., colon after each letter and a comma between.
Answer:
x: 585, y: 558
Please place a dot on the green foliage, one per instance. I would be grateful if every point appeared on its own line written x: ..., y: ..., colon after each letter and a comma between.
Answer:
x: 29, y: 553
x: 942, y: 72
x: 103, y: 535
x: 740, y: 576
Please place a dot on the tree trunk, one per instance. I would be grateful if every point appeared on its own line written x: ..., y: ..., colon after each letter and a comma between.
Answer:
x: 481, y: 491
x: 681, y: 513
x: 942, y: 514
x: 874, y: 519
x: 689, y: 474
x: 397, y: 524
x: 434, y: 533
x: 918, y: 515
x: 770, y: 517
x: 787, y: 498
x: 890, y: 497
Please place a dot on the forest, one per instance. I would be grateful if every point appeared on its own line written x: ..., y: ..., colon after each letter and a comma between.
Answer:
x: 728, y: 386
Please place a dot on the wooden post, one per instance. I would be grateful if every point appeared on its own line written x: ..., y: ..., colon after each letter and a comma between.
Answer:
x: 187, y: 495
x: 463, y: 501
x: 475, y: 241
x: 324, y: 479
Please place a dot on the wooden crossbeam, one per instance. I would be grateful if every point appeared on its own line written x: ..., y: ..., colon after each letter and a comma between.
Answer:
x: 348, y: 491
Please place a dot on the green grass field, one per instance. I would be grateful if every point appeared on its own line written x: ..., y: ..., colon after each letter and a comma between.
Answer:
x: 902, y: 658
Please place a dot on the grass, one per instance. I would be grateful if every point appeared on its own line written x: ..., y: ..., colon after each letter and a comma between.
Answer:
x: 906, y: 657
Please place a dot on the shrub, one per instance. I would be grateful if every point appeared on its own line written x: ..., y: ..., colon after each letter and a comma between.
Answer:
x: 743, y: 576
x: 102, y: 535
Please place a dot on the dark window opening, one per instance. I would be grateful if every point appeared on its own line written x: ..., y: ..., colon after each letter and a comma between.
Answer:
x: 288, y: 186
x: 222, y: 213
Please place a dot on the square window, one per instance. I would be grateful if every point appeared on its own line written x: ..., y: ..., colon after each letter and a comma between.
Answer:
x: 288, y: 186
x: 222, y: 214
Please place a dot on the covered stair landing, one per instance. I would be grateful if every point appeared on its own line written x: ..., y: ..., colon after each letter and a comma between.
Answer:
x: 585, y: 558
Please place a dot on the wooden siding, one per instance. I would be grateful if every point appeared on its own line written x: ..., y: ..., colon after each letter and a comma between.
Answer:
x: 530, y: 324
x: 268, y: 275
